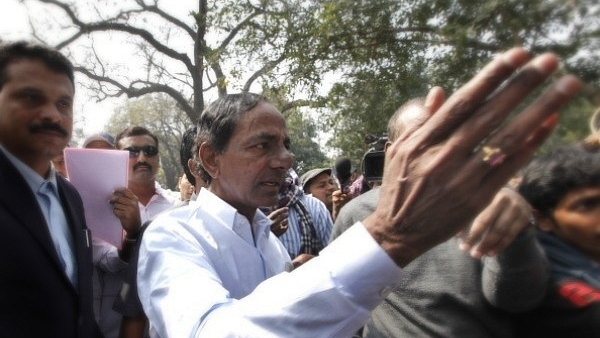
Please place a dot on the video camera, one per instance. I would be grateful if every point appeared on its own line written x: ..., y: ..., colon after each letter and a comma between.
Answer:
x: 374, y: 157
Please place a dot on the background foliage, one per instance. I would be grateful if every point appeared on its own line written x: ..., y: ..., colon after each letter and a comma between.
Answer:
x: 336, y: 68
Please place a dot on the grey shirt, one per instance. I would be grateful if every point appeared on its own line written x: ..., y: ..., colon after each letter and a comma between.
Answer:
x: 446, y: 293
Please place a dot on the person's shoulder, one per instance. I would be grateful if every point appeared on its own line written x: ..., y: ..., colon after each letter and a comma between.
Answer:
x: 313, y: 202
x: 167, y: 194
x: 178, y: 212
x: 355, y: 210
x: 367, y: 200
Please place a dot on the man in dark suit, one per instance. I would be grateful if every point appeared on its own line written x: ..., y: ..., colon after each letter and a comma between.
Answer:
x: 45, y: 246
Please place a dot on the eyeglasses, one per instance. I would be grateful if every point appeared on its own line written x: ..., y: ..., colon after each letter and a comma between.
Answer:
x: 149, y: 151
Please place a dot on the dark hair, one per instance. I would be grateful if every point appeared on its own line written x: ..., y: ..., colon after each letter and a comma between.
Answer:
x: 134, y: 131
x: 186, y: 152
x: 547, y: 179
x: 218, y: 121
x: 14, y: 51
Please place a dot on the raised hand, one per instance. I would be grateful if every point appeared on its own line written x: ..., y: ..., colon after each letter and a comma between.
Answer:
x: 440, y: 173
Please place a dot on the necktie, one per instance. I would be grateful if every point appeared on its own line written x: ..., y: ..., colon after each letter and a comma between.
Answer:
x: 59, y: 228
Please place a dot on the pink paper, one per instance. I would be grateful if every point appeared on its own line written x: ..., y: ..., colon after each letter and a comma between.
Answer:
x: 96, y: 173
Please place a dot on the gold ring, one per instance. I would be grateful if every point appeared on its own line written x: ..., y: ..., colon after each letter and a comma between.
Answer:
x: 493, y: 155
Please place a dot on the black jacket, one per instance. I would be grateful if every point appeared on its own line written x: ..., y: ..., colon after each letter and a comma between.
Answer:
x: 36, y: 296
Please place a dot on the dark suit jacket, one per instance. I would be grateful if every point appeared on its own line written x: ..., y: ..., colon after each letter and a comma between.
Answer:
x: 36, y: 296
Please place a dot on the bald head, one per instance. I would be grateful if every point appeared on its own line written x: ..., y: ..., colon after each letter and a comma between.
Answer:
x: 409, y: 113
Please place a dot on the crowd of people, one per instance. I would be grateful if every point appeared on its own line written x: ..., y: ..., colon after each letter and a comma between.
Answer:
x: 440, y: 246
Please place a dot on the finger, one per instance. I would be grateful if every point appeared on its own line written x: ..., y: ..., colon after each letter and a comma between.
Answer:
x: 497, y: 235
x: 500, y: 234
x: 435, y: 98
x: 127, y: 193
x: 517, y: 140
x: 524, y: 155
x: 461, y: 105
x: 433, y: 101
x: 513, y: 215
x: 274, y: 215
x: 495, y: 110
x: 482, y: 224
x: 280, y: 211
x: 523, y: 135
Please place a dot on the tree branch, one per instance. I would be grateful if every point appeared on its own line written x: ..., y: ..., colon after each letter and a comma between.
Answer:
x: 132, y: 91
x: 154, y: 9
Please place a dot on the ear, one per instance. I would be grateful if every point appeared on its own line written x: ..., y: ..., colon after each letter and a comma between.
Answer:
x: 209, y: 159
x: 386, y: 145
x: 543, y: 222
x: 191, y: 164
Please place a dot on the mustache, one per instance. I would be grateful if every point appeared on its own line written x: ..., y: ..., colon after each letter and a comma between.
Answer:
x: 141, y: 164
x: 48, y: 126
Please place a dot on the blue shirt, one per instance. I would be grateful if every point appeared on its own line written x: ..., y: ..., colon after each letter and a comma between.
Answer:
x: 292, y: 237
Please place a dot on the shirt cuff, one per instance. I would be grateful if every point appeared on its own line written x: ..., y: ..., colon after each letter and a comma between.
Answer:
x: 360, y: 267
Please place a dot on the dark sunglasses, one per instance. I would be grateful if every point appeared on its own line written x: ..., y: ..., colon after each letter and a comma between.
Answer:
x: 149, y: 151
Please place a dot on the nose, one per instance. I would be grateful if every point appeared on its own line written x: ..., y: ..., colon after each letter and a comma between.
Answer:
x: 284, y: 159
x: 50, y: 112
x: 330, y: 187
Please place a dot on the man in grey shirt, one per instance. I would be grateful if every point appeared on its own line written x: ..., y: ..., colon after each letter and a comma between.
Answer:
x: 447, y: 292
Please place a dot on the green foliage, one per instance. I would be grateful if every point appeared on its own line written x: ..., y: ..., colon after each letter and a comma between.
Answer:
x: 302, y: 130
x: 390, y: 51
x: 307, y: 152
x: 159, y: 114
x: 383, y: 52
x: 573, y: 125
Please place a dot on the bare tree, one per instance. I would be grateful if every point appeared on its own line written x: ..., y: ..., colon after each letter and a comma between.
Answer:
x: 216, y: 46
x: 159, y: 114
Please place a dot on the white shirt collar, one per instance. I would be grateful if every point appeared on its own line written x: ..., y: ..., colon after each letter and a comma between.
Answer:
x: 228, y: 214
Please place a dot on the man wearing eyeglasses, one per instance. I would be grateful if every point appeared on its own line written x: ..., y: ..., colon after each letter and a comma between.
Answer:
x: 141, y: 200
x: 143, y: 166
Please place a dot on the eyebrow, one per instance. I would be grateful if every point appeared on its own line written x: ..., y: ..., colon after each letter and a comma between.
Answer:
x: 28, y: 90
x: 38, y: 91
x: 265, y: 136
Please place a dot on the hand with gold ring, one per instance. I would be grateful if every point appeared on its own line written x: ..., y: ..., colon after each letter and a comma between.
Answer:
x: 441, y: 172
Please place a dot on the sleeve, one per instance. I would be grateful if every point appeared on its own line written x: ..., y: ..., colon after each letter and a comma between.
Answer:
x: 127, y: 302
x: 322, y: 220
x: 330, y: 296
x: 516, y: 279
x: 106, y: 256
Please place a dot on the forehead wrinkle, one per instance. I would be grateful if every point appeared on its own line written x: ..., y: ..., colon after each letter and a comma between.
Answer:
x: 29, y: 76
x: 264, y: 135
